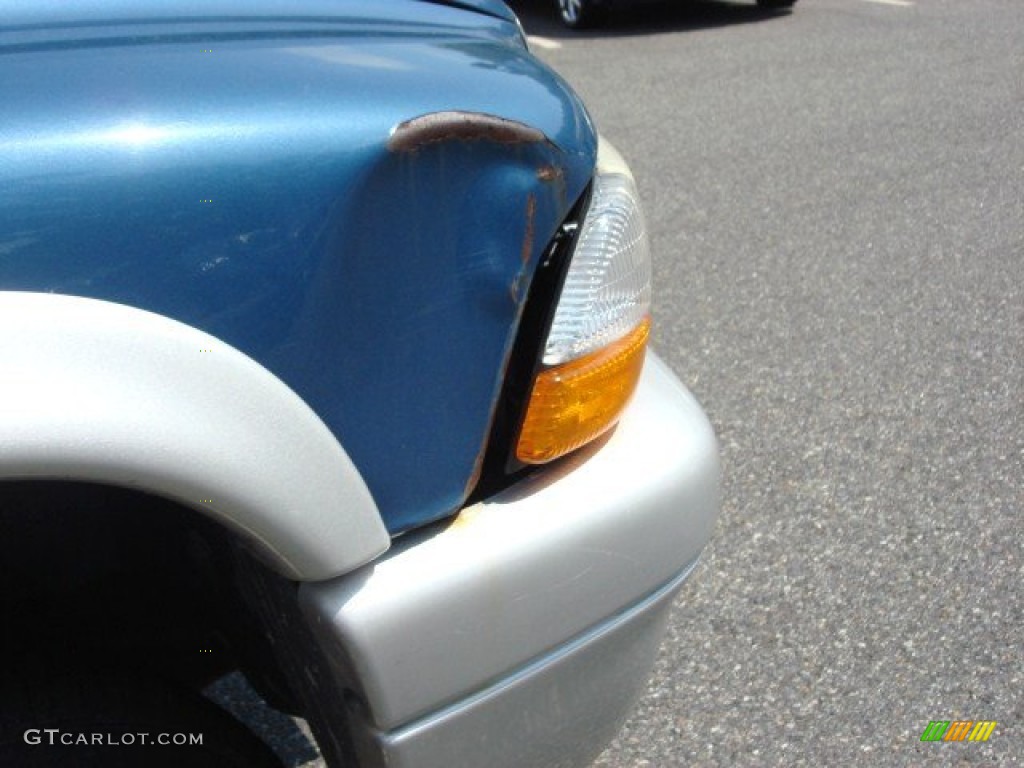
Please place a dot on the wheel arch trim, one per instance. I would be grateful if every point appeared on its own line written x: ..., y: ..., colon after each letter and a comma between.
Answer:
x: 101, y: 392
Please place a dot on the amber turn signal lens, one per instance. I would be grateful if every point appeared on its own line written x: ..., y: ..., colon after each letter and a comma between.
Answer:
x: 573, y: 403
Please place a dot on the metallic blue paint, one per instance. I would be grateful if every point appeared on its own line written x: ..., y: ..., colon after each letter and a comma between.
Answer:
x: 230, y: 169
x: 493, y: 7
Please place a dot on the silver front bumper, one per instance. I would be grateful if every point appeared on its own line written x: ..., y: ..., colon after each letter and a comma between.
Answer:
x: 519, y: 634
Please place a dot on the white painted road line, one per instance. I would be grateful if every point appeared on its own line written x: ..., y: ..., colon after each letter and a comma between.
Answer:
x: 900, y: 3
x: 543, y: 42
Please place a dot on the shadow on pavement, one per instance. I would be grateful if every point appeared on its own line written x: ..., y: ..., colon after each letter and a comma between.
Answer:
x: 540, y: 17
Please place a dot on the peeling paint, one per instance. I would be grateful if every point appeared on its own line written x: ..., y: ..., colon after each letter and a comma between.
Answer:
x: 439, y: 127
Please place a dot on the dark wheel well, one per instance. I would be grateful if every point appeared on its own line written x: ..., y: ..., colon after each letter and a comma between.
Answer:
x: 96, y: 577
x: 94, y: 574
x: 93, y: 718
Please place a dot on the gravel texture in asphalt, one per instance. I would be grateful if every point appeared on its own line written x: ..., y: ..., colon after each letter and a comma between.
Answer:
x: 837, y: 208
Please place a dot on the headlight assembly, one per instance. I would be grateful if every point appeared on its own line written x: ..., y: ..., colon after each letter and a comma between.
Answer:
x: 595, y: 346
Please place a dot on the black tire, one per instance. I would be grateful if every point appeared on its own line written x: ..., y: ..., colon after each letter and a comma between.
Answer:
x: 581, y: 14
x: 120, y: 709
x: 776, y: 3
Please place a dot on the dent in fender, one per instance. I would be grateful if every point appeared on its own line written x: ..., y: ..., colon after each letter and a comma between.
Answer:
x: 526, y: 570
x: 100, y: 392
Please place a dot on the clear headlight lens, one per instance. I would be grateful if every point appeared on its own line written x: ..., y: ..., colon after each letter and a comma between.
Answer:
x: 607, y: 290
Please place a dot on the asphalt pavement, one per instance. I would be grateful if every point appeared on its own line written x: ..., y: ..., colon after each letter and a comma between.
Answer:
x: 836, y: 201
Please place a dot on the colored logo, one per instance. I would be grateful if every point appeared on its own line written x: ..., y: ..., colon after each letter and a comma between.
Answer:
x: 958, y: 730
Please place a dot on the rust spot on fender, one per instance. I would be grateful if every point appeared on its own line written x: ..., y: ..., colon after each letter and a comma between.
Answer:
x: 555, y: 176
x: 527, y: 248
x: 549, y: 173
x: 439, y: 127
x: 531, y: 213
